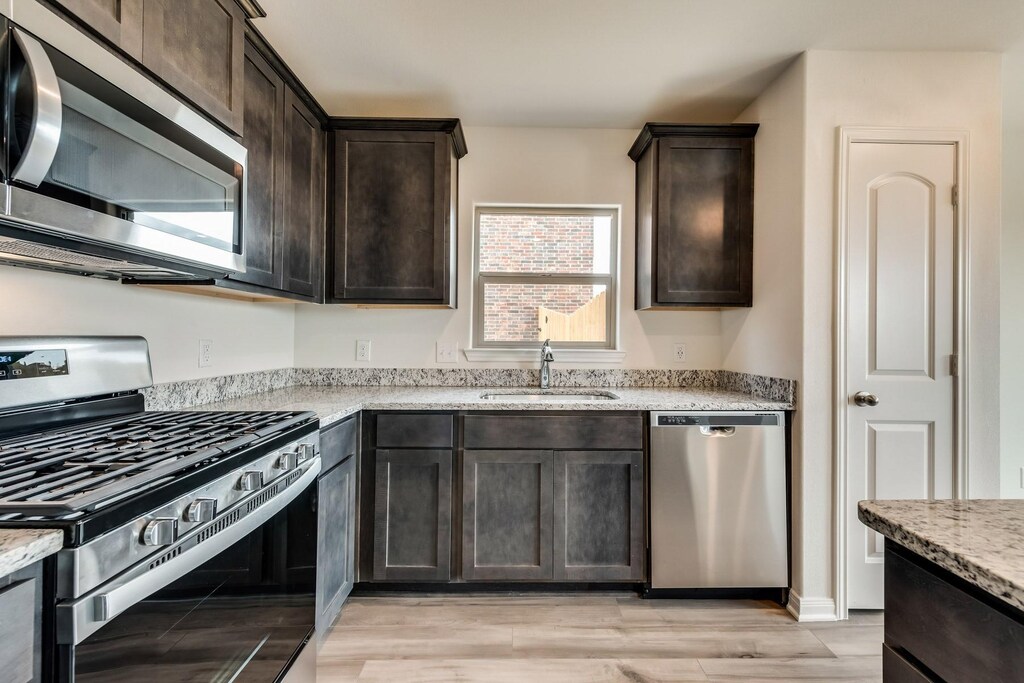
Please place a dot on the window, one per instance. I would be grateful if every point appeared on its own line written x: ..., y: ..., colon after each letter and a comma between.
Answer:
x: 545, y: 273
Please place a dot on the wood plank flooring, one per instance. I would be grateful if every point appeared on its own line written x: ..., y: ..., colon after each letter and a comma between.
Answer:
x: 601, y: 638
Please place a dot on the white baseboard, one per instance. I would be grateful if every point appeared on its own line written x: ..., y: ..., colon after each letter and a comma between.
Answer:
x: 811, y: 609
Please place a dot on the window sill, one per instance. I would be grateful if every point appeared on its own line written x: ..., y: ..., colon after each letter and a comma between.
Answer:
x: 531, y: 355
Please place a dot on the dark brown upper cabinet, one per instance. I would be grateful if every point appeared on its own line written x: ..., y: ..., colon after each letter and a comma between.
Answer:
x: 694, y: 215
x: 118, y: 21
x: 196, y: 46
x: 284, y: 219
x: 395, y: 193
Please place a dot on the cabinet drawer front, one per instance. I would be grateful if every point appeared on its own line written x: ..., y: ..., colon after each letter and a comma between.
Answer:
x: 597, y: 431
x: 896, y: 669
x: 956, y: 635
x: 415, y: 431
x: 338, y: 442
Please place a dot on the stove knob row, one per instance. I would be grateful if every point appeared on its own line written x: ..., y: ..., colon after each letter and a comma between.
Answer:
x: 252, y: 480
x: 160, y: 531
x: 201, y: 510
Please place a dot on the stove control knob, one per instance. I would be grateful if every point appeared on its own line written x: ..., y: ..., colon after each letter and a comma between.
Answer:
x: 160, y: 531
x: 304, y: 452
x: 288, y: 461
x: 252, y: 480
x: 201, y: 510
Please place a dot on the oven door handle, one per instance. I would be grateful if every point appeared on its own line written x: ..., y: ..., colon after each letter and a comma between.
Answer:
x: 79, y: 619
x: 47, y: 113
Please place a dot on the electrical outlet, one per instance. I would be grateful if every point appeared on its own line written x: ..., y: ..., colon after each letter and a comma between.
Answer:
x: 446, y: 352
x: 1022, y: 477
x: 205, y: 353
x: 363, y: 351
x: 680, y: 356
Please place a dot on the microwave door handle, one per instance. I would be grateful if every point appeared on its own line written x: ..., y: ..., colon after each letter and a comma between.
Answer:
x: 47, y: 113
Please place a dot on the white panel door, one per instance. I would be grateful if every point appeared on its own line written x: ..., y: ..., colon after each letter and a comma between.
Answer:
x: 901, y: 298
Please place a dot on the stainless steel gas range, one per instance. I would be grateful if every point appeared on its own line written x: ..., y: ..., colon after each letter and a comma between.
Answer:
x: 189, y: 537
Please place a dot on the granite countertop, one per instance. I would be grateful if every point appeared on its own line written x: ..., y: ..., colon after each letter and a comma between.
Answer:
x: 981, y: 541
x: 333, y: 403
x: 21, y: 547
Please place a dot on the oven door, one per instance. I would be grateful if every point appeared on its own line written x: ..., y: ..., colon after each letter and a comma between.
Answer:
x: 121, y: 166
x: 232, y: 601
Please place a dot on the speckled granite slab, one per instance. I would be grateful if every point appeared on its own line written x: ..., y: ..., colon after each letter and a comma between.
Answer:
x: 332, y: 403
x: 21, y: 547
x: 180, y: 395
x: 981, y: 541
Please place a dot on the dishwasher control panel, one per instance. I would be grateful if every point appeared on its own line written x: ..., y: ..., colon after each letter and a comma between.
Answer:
x: 749, y: 419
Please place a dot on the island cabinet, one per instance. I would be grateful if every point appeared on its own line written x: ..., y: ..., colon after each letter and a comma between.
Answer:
x: 412, y: 496
x: 939, y: 628
x: 562, y: 499
x: 336, y: 521
x: 394, y: 223
x: 284, y: 217
x: 694, y: 215
x: 21, y: 625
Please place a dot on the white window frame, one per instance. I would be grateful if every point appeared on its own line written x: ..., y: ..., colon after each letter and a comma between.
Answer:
x: 573, y: 351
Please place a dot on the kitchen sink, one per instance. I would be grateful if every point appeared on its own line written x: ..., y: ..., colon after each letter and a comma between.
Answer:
x: 553, y: 396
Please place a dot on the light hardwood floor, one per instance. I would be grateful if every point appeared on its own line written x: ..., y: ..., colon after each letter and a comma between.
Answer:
x: 603, y: 638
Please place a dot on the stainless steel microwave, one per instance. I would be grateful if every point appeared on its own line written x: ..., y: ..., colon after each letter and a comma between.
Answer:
x: 104, y: 172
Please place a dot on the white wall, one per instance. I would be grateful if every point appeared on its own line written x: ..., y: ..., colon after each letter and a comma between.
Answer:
x: 246, y: 336
x: 921, y: 90
x: 768, y: 338
x: 517, y: 165
x: 1012, y: 276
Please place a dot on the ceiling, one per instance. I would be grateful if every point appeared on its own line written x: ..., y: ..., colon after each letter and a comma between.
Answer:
x: 595, y: 63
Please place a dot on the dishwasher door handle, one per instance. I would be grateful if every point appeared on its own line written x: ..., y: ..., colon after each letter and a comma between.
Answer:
x: 707, y: 430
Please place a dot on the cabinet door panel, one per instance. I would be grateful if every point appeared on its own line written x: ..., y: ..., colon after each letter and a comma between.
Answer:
x: 197, y: 47
x: 21, y: 605
x: 392, y: 220
x: 507, y: 515
x: 412, y: 515
x: 119, y: 21
x: 336, y: 545
x: 264, y: 140
x: 303, y: 212
x: 599, y: 511
x: 704, y: 224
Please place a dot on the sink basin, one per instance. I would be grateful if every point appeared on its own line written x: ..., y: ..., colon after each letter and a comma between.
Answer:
x: 549, y: 396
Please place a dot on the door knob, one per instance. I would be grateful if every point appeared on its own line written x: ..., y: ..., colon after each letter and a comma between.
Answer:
x: 865, y: 400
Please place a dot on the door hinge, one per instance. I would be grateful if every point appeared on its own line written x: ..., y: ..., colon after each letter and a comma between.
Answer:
x: 954, y: 364
x: 955, y: 198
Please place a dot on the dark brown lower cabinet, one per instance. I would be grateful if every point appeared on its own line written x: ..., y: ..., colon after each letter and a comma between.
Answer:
x: 507, y: 514
x: 21, y: 625
x: 412, y: 518
x: 336, y: 542
x: 599, y: 515
x: 940, y: 628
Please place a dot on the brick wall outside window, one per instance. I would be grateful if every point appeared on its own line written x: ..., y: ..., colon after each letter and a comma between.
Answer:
x: 511, y: 243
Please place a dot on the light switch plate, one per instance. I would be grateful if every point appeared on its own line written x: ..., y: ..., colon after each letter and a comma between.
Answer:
x: 363, y: 351
x: 447, y: 352
x: 680, y: 353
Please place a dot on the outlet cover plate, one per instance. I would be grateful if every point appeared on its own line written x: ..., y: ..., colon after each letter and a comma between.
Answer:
x: 680, y: 353
x: 205, y: 353
x: 447, y: 352
x: 363, y: 351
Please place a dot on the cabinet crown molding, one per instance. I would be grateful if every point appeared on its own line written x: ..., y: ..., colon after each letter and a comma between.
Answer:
x: 650, y: 131
x: 452, y: 127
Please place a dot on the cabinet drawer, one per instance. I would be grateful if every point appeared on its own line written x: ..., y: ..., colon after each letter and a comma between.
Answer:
x: 930, y: 614
x: 612, y: 432
x: 338, y: 442
x: 896, y: 669
x: 427, y: 430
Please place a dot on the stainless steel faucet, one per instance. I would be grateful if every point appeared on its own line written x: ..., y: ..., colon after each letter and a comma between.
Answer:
x: 546, y: 358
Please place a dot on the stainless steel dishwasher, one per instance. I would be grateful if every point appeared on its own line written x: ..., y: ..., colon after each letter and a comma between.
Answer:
x: 718, y: 500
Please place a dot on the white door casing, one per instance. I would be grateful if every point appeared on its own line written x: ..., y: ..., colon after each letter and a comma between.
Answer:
x: 897, y: 334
